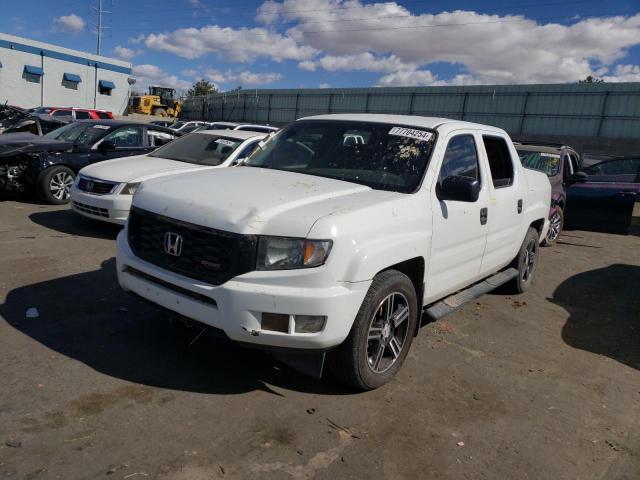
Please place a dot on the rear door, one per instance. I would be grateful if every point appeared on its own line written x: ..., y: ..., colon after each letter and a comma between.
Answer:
x: 605, y: 201
x: 459, y: 228
x: 506, y: 203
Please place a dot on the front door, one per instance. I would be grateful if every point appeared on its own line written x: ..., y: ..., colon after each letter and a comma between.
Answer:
x: 459, y: 228
x: 127, y: 141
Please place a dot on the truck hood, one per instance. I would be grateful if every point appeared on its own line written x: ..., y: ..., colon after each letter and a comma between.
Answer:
x: 252, y: 200
x: 136, y: 168
x: 25, y: 142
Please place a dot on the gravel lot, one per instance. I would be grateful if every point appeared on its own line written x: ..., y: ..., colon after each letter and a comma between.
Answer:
x: 541, y: 386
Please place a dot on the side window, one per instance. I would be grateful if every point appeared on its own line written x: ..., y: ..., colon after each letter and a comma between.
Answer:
x: 248, y: 150
x: 80, y: 115
x: 460, y: 158
x: 158, y: 138
x: 61, y: 113
x: 103, y: 115
x: 126, y: 137
x: 500, y: 161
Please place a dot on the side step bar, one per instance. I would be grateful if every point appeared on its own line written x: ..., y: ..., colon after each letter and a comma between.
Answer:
x: 455, y: 301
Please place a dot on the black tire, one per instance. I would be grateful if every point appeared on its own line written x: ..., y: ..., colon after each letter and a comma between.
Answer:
x: 350, y: 361
x: 54, y: 183
x: 555, y: 228
x: 523, y: 261
x: 160, y: 112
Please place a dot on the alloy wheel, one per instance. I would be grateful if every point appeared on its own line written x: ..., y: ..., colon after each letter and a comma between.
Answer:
x: 388, y: 331
x: 529, y: 260
x: 555, y: 225
x: 60, y: 185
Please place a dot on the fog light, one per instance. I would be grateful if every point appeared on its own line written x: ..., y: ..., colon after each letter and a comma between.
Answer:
x: 309, y: 323
x: 276, y: 322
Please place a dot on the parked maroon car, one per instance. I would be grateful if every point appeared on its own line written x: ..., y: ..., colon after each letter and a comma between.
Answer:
x: 560, y: 163
x: 603, y: 197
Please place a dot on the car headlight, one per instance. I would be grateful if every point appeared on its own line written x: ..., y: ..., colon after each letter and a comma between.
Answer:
x: 130, y: 188
x: 281, y: 253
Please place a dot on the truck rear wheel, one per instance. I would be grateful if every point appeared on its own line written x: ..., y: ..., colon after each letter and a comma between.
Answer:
x: 160, y: 112
x: 526, y: 262
x: 381, y: 334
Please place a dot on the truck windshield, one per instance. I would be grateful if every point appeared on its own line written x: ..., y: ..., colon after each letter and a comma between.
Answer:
x: 199, y: 148
x: 379, y: 155
x: 544, y: 162
x: 79, y: 133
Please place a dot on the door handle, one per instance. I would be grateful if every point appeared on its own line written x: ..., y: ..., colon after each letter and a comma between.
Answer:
x: 520, y: 206
x: 484, y: 213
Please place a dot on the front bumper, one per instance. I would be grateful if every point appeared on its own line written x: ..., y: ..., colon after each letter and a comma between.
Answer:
x: 236, y: 306
x: 109, y: 208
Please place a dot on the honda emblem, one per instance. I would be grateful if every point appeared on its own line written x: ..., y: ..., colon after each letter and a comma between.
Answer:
x: 89, y: 186
x: 172, y: 244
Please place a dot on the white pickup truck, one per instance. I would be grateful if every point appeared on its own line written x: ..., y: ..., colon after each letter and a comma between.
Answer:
x: 335, y: 247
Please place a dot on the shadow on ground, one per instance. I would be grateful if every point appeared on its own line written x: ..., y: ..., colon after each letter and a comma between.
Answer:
x: 69, y: 222
x: 88, y: 317
x: 604, y: 308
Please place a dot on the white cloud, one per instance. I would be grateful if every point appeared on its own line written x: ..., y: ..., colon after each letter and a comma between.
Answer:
x: 491, y: 48
x: 324, y: 85
x: 191, y: 72
x: 308, y: 65
x: 125, y: 53
x: 71, y: 23
x: 236, y: 45
x: 624, y: 73
x: 243, y: 78
x: 147, y: 74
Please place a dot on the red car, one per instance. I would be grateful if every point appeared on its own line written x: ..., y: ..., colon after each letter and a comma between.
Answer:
x: 75, y: 113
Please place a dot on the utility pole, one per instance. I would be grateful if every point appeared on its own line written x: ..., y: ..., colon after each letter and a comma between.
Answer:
x: 99, y: 27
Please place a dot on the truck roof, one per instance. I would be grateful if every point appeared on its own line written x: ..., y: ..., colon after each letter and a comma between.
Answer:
x: 415, y: 120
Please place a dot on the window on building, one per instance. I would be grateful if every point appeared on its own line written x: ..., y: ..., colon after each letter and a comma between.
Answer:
x: 71, y: 81
x: 105, y: 87
x: 32, y: 74
x: 500, y: 161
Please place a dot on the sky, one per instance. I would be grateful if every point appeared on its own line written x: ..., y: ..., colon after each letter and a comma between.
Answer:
x: 346, y: 43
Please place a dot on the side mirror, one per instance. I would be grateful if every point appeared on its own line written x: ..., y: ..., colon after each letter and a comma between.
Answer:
x: 106, y: 146
x: 578, y: 177
x: 459, y: 189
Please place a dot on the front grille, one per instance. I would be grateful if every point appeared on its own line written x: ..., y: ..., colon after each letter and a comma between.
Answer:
x: 99, y: 187
x: 209, y: 255
x: 90, y: 209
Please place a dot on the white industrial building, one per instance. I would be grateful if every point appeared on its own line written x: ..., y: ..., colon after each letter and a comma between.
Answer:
x: 35, y: 74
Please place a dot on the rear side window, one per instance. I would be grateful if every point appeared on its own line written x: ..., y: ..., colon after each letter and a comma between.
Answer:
x: 80, y: 115
x: 103, y: 115
x: 500, y: 161
x: 62, y: 113
x: 460, y: 158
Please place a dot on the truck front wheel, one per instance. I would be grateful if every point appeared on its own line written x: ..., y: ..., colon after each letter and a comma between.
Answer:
x: 160, y: 112
x: 381, y: 334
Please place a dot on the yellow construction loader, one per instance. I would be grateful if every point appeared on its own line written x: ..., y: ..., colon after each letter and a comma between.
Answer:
x: 159, y: 102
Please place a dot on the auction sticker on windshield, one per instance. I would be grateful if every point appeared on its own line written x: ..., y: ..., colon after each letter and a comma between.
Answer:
x: 551, y: 155
x: 102, y: 127
x: 411, y: 133
x: 224, y: 141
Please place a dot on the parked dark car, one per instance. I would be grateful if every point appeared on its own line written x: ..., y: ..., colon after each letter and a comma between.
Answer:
x: 560, y: 163
x: 604, y: 195
x: 47, y: 165
x: 15, y: 119
x: 162, y: 123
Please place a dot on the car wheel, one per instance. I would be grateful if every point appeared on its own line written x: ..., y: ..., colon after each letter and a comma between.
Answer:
x: 160, y: 112
x: 54, y: 184
x: 526, y: 262
x: 556, y: 223
x: 381, y: 334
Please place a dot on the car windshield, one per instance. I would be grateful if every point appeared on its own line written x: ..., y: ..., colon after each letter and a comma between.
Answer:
x: 199, y: 148
x: 378, y: 155
x: 548, y: 163
x: 79, y: 133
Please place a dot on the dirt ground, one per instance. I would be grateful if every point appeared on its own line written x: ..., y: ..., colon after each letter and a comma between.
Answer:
x: 545, y: 385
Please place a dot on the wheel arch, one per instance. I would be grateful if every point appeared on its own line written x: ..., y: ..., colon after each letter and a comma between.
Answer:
x: 413, y: 268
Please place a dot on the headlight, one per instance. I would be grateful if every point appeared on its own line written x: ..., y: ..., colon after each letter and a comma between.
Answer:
x: 130, y: 188
x: 281, y: 253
